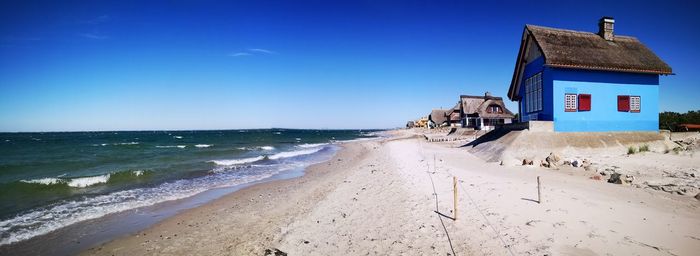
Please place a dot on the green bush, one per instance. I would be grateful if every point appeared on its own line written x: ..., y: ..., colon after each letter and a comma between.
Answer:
x: 644, y: 148
x: 631, y: 150
x: 671, y: 120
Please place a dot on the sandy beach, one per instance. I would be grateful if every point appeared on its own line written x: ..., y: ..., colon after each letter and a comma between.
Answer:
x: 395, y: 197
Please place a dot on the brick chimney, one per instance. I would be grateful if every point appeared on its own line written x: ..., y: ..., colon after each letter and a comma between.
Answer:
x: 605, y: 28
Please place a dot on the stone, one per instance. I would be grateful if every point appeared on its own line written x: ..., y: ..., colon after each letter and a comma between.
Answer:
x: 274, y: 252
x: 527, y: 161
x: 544, y: 164
x: 619, y: 178
x: 553, y: 159
x: 567, y: 162
x: 576, y: 163
x: 596, y: 177
x: 697, y: 196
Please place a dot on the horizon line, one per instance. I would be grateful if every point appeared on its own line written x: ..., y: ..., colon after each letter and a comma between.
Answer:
x: 196, y: 130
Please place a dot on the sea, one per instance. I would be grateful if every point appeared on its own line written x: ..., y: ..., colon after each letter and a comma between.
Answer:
x: 52, y: 180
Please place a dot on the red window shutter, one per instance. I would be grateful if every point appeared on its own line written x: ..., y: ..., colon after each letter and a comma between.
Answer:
x: 623, y: 103
x: 584, y: 102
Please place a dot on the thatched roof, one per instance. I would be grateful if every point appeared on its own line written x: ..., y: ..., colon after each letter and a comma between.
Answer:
x: 454, y: 114
x: 439, y: 116
x: 585, y: 50
x: 479, y: 105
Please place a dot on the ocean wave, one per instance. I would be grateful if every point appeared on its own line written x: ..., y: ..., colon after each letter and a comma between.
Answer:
x: 280, y: 155
x: 88, y: 181
x: 177, y: 137
x: 203, y: 145
x: 311, y: 145
x: 117, y: 144
x: 289, y: 154
x: 44, y: 220
x: 83, y: 182
x: 268, y: 148
x: 45, y: 181
x: 172, y: 146
x: 229, y: 162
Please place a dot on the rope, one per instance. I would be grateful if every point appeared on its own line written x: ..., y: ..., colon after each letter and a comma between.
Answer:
x: 437, y: 207
x: 487, y: 220
x: 470, y: 199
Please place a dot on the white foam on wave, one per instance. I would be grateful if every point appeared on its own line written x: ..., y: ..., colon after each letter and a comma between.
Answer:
x: 289, y: 154
x: 44, y: 181
x: 177, y: 137
x: 88, y: 181
x: 44, y: 220
x: 203, y: 145
x: 229, y: 162
x: 268, y: 148
x: 172, y: 146
x: 311, y: 145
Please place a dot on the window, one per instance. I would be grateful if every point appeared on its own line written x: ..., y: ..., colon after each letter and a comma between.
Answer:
x: 570, y: 102
x: 584, y: 102
x: 623, y: 103
x: 494, y: 109
x: 533, y: 93
x: 635, y: 104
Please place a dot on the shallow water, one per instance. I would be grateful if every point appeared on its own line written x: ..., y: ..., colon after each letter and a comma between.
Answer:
x: 52, y: 180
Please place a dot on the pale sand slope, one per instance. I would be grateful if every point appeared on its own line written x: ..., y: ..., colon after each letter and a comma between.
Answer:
x: 378, y: 199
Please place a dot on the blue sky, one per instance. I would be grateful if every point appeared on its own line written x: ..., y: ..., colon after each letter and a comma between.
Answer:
x: 142, y: 65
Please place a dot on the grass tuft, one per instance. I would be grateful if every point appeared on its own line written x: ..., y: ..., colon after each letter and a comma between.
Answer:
x: 644, y: 148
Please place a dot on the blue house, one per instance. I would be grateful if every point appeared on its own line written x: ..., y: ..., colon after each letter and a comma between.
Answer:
x: 587, y: 82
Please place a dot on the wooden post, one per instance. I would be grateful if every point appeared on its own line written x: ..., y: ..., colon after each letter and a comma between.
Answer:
x: 539, y: 191
x: 454, y: 187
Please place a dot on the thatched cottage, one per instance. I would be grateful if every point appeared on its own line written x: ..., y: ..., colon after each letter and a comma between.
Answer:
x: 584, y: 81
x: 483, y: 112
x: 445, y: 117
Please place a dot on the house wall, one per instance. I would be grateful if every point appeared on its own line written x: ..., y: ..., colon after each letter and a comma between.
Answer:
x: 604, y: 87
x: 532, y: 68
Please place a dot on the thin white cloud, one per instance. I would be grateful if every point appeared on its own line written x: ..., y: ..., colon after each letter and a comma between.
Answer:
x: 259, y: 50
x: 252, y: 52
x: 239, y: 54
x: 93, y: 36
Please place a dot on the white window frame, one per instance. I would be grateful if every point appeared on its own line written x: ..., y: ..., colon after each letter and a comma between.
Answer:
x: 635, y: 104
x: 570, y: 102
x: 533, y: 93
